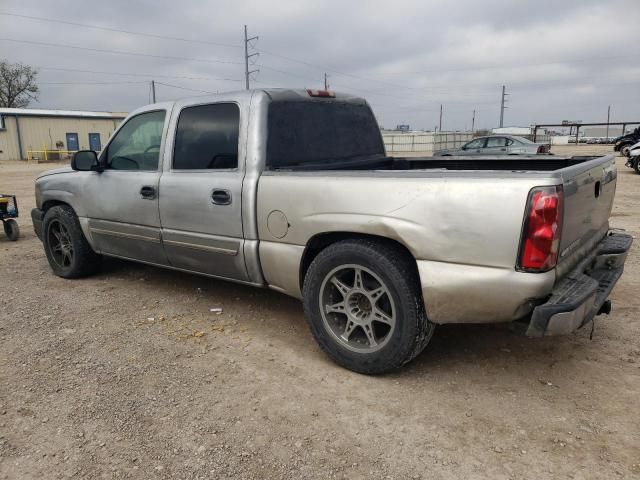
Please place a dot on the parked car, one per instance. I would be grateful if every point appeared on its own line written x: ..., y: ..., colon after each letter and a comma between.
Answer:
x: 497, y: 145
x: 634, y: 158
x: 623, y: 143
x: 292, y: 190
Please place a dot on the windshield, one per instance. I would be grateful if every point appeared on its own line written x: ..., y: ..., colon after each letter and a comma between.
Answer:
x: 321, y: 133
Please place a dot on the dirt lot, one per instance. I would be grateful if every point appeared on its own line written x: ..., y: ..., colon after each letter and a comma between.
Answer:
x: 129, y: 375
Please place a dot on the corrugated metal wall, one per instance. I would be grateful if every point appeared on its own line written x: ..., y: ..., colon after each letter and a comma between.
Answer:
x: 424, y: 142
x: 43, y: 132
x: 9, y: 140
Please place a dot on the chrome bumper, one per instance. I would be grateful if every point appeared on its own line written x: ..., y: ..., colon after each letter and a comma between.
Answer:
x: 582, y: 294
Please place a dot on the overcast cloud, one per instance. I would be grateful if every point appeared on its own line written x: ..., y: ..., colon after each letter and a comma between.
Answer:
x: 559, y: 60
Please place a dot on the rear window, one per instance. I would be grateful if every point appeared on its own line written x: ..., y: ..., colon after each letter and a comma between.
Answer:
x: 306, y: 133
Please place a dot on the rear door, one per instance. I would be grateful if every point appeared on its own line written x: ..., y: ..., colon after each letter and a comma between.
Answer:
x: 496, y: 146
x: 201, y: 191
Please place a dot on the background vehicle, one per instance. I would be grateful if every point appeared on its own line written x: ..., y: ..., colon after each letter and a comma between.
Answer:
x: 8, y: 214
x: 634, y: 158
x: 498, y: 145
x: 623, y: 143
x: 293, y: 190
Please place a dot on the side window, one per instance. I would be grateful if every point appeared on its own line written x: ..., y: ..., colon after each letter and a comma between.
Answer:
x: 493, y: 142
x: 137, y: 145
x: 207, y: 137
x: 478, y: 143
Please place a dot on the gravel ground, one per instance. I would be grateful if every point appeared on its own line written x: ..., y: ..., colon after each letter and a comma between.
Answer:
x: 129, y: 375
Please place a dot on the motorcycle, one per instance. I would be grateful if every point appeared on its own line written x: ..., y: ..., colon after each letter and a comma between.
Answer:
x: 634, y: 157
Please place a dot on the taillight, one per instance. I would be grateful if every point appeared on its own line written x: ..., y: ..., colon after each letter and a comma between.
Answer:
x: 541, y: 234
x: 321, y: 93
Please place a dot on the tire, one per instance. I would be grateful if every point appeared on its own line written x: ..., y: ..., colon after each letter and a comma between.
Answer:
x: 11, y: 229
x: 67, y: 249
x: 359, y: 327
x: 625, y: 150
x: 636, y: 165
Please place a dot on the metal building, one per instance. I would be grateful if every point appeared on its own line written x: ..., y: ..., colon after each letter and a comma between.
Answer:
x: 27, y: 133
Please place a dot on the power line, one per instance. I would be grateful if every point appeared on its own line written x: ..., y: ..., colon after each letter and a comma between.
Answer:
x: 185, y: 88
x: 110, y: 29
x: 139, y: 74
x: 117, y: 52
x: 88, y: 83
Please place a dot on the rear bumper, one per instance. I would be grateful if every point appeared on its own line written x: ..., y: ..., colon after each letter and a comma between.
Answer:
x: 37, y: 217
x: 579, y: 296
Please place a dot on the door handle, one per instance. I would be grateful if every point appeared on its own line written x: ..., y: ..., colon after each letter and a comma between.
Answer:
x: 148, y: 192
x: 221, y: 197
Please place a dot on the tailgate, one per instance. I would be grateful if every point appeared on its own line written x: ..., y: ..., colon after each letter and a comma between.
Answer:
x: 589, y: 189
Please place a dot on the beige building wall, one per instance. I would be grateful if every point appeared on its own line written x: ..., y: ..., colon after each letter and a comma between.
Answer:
x: 38, y: 133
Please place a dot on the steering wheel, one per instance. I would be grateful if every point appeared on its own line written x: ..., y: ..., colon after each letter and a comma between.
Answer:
x: 150, y: 148
x: 123, y: 163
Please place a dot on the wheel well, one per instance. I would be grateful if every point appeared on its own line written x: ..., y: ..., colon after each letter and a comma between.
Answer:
x: 53, y: 203
x: 321, y: 241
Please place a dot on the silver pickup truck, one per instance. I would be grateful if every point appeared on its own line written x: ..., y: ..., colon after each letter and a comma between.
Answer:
x: 293, y: 190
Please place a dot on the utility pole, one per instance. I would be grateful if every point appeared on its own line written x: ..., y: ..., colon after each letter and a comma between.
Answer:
x: 326, y: 84
x: 153, y: 91
x: 473, y: 121
x: 608, y: 118
x: 502, y: 105
x: 440, y: 127
x: 248, y: 72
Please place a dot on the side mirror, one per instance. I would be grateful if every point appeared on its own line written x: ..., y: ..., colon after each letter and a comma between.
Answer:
x: 463, y: 147
x: 85, y: 161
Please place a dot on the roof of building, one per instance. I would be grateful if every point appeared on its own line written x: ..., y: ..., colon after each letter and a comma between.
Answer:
x: 60, y: 113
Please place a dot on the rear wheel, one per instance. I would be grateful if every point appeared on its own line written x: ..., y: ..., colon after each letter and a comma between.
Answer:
x: 11, y: 229
x: 66, y: 247
x: 364, y: 306
x: 636, y: 165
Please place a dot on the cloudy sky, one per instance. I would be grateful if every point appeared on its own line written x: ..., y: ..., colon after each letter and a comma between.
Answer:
x: 559, y: 60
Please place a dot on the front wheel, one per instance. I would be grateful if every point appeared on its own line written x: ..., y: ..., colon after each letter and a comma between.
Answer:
x: 626, y: 150
x: 363, y: 303
x: 11, y: 229
x: 66, y: 247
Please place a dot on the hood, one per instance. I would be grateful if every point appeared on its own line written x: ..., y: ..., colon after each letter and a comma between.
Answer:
x: 55, y: 171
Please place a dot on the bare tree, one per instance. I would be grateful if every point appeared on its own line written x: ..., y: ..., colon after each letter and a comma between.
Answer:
x: 17, y: 84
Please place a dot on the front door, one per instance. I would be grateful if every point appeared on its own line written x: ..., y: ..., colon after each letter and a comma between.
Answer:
x: 201, y: 193
x: 474, y: 147
x: 94, y: 142
x: 122, y: 201
x: 72, y: 142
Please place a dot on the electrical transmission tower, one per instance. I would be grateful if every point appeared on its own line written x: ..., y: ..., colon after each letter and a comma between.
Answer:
x: 503, y: 100
x: 247, y: 56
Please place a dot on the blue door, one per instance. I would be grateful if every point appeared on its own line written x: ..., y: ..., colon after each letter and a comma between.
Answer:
x: 94, y: 142
x: 72, y: 142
